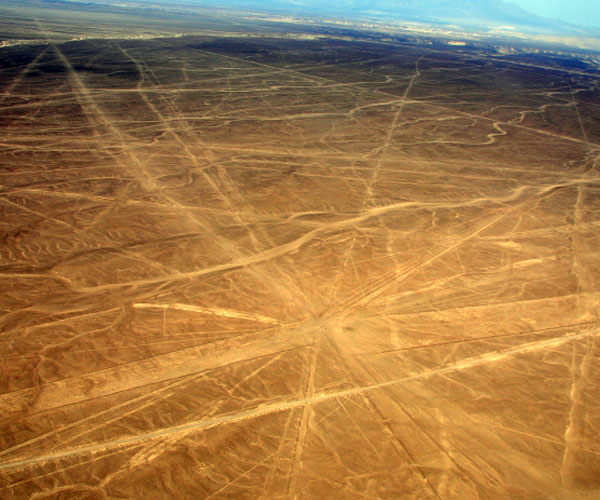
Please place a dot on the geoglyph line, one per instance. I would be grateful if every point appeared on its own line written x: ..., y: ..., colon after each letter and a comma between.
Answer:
x: 215, y: 311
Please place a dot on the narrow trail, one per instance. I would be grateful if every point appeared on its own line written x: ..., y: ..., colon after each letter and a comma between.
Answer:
x: 425, y: 103
x: 382, y: 150
x: 7, y: 92
x: 297, y: 243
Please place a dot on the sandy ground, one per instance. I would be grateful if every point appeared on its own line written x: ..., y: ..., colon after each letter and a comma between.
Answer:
x: 277, y: 269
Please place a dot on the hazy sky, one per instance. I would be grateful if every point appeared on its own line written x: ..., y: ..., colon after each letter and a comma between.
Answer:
x: 584, y: 12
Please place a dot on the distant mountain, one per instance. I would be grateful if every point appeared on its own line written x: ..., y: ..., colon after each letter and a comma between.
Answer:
x: 471, y: 12
x: 476, y: 11
x: 445, y: 9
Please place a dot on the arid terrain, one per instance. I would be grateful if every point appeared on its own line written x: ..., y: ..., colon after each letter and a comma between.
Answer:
x: 267, y: 268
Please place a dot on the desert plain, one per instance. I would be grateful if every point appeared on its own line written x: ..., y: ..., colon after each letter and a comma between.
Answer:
x: 271, y: 267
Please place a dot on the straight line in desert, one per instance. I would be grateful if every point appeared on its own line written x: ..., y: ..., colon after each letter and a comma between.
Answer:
x: 469, y: 363
x: 155, y: 369
x: 496, y: 305
x: 215, y: 311
x: 108, y: 199
x: 74, y: 317
x: 303, y: 428
x: 487, y: 338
